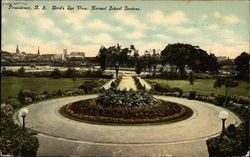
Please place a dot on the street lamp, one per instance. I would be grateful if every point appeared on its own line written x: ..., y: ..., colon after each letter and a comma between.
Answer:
x: 223, y: 116
x: 24, y: 112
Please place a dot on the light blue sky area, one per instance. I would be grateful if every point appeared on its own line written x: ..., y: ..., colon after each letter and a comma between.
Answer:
x: 221, y: 27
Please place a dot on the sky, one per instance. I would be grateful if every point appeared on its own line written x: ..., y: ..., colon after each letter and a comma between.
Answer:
x: 219, y: 27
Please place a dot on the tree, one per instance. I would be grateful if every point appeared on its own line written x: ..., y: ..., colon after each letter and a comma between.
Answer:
x: 138, y: 67
x: 185, y: 54
x: 117, y: 56
x: 102, y: 57
x: 21, y: 70
x: 56, y: 73
x: 228, y: 82
x: 242, y: 66
x: 191, y: 79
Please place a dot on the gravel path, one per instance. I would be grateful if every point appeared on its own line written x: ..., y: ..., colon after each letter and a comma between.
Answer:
x: 127, y: 83
x: 61, y: 136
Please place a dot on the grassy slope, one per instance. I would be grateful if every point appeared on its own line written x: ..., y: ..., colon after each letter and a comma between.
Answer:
x: 10, y: 86
x: 204, y: 87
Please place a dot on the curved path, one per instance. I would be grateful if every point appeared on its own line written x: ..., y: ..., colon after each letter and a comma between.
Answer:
x: 61, y: 136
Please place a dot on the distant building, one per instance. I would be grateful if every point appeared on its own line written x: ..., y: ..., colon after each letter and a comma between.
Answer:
x: 222, y: 58
x: 57, y: 57
x: 17, y: 49
x: 77, y: 54
x: 38, y: 51
x: 64, y: 54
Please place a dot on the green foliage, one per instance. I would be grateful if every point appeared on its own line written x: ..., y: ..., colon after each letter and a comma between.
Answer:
x: 56, y: 73
x: 192, y: 95
x: 14, y: 102
x: 21, y: 70
x: 242, y: 66
x: 220, y: 99
x: 25, y: 96
x: 123, y: 98
x: 70, y: 73
x: 16, y: 141
x: 185, y: 54
x: 138, y: 84
x: 114, y: 84
x: 233, y: 143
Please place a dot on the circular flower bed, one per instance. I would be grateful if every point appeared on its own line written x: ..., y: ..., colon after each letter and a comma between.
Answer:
x: 91, y: 110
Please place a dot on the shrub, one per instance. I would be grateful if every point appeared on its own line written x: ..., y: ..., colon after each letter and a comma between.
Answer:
x: 233, y: 143
x: 16, y: 141
x: 178, y: 90
x: 114, y: 84
x: 123, y: 98
x: 6, y: 110
x: 25, y: 96
x: 138, y: 84
x: 88, y: 86
x: 192, y: 95
x: 56, y: 73
x: 162, y: 89
x: 220, y: 100
x: 13, y: 102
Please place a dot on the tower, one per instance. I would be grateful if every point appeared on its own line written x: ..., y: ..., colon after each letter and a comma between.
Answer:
x: 17, y: 49
x: 64, y: 54
x: 38, y: 51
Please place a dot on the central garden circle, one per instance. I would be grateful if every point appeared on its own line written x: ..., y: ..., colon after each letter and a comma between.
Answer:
x: 125, y: 108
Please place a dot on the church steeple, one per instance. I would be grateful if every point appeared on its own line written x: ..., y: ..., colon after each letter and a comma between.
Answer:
x: 17, y: 49
x: 38, y: 51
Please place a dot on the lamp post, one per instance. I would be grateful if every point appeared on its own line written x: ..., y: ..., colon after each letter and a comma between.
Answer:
x: 24, y: 112
x: 223, y: 116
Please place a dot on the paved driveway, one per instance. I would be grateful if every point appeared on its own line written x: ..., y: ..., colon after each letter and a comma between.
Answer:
x: 61, y: 136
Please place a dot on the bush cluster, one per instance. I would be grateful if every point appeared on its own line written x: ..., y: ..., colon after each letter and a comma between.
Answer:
x: 114, y: 84
x: 91, y: 86
x: 56, y: 73
x: 138, y: 84
x: 16, y: 141
x: 234, y: 142
x: 123, y: 98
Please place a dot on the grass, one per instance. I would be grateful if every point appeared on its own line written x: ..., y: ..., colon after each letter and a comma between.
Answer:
x: 204, y: 86
x: 11, y: 86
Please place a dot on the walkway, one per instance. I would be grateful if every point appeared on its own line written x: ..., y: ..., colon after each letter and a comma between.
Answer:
x: 127, y: 83
x: 61, y: 136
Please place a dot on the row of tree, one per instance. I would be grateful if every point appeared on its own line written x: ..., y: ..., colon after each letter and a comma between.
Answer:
x: 176, y: 55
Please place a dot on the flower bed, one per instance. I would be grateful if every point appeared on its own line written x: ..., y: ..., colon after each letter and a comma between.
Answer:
x: 162, y: 111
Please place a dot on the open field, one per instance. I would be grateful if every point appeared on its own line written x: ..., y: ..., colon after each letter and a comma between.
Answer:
x: 11, y: 86
x: 204, y: 86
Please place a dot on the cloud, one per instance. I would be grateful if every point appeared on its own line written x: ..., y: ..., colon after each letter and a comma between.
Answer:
x: 135, y: 35
x: 98, y: 24
x: 49, y: 25
x: 129, y: 20
x: 143, y: 46
x: 75, y: 18
x: 230, y: 51
x: 220, y: 29
x: 204, y: 17
x: 162, y: 37
x: 22, y: 38
x: 183, y: 30
x: 102, y: 38
x: 232, y: 19
x: 158, y: 17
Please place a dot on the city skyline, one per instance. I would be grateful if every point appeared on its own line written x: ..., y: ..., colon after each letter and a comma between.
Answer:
x: 220, y: 27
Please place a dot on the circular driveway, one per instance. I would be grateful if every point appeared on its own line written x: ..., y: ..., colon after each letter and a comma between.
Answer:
x: 203, y: 124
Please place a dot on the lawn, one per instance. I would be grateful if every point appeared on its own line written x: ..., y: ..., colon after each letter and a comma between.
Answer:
x: 204, y: 86
x: 11, y: 86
